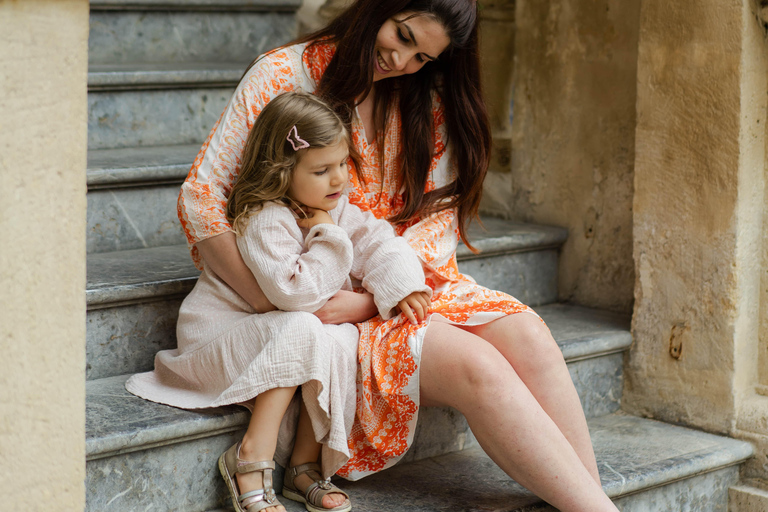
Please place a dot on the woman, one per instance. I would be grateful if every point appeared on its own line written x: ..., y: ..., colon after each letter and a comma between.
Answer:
x: 405, y: 77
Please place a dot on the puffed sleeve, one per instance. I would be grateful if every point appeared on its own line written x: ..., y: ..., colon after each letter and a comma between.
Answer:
x: 296, y: 273
x: 383, y: 261
x: 203, y: 197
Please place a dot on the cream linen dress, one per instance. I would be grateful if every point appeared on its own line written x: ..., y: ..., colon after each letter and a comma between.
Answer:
x: 227, y: 353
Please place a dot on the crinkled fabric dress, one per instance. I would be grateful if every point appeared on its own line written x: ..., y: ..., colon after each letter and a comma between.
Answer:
x: 389, y: 350
x: 227, y: 353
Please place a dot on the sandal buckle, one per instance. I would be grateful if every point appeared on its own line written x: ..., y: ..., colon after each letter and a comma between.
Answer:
x: 270, y: 496
x: 324, y: 484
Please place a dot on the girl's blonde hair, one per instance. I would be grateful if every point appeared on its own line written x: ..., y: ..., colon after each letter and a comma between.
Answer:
x: 269, y: 158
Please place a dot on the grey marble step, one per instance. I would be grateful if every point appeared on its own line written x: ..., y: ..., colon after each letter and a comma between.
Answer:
x: 121, y: 119
x: 592, y: 342
x: 127, y: 77
x: 142, y: 166
x: 195, y: 5
x: 645, y: 465
x: 187, y: 31
x: 132, y: 443
x: 133, y: 296
x: 132, y: 196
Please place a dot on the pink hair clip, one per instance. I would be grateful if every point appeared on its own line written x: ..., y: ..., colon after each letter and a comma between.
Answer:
x: 299, y: 143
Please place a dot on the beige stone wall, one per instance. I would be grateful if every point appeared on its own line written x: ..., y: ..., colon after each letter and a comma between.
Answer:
x: 497, y: 51
x: 573, y: 138
x: 698, y: 207
x: 43, y: 58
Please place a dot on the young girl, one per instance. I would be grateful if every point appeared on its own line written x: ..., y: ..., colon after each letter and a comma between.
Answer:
x: 303, y: 242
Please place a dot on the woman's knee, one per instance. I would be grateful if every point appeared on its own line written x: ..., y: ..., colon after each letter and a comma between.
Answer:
x: 530, y: 338
x: 484, y: 375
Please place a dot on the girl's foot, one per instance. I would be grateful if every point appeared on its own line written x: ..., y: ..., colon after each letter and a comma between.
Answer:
x: 304, y: 483
x: 247, y: 482
x: 333, y: 500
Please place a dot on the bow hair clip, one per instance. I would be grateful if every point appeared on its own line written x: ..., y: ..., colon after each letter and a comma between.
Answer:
x: 296, y: 142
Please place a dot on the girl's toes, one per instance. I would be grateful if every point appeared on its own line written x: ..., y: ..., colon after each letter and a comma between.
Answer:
x: 333, y: 500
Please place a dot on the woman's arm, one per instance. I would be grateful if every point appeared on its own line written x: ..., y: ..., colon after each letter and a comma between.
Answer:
x: 348, y: 308
x: 222, y: 256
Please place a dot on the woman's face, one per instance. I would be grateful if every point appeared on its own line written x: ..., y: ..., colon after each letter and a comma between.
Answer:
x: 404, y: 45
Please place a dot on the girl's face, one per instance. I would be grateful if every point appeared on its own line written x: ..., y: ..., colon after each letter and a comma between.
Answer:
x: 404, y: 45
x: 320, y: 177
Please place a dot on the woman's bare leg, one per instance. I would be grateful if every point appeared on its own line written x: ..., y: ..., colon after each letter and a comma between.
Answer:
x: 305, y: 450
x: 506, y: 418
x: 528, y: 345
x: 260, y: 440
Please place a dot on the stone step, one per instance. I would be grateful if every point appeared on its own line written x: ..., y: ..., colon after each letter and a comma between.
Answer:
x: 133, y: 77
x: 132, y: 196
x: 143, y: 456
x: 129, y: 118
x: 645, y: 466
x: 187, y: 31
x: 133, y: 296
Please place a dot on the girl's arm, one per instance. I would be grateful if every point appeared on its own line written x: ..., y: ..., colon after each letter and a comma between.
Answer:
x: 223, y: 257
x: 384, y: 262
x: 295, y: 273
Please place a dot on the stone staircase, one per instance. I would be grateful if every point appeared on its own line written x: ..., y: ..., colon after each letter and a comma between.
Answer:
x: 161, y: 72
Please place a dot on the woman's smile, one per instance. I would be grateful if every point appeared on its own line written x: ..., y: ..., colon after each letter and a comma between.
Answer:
x: 383, y: 68
x: 405, y: 43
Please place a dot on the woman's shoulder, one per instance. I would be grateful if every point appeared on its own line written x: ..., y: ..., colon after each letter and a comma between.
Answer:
x: 300, y: 65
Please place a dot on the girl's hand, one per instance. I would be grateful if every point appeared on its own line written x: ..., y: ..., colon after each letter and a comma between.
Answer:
x: 309, y: 217
x: 347, y: 307
x: 418, y: 303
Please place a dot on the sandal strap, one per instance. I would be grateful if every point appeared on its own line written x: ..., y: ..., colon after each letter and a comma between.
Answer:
x: 305, y: 468
x: 318, y: 490
x: 244, y: 466
x: 263, y: 498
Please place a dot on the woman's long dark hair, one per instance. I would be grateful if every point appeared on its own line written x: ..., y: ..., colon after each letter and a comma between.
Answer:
x: 455, y: 76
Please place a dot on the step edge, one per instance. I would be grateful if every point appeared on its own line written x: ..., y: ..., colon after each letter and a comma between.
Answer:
x: 105, y: 169
x: 178, y: 76
x: 713, y: 461
x: 597, y: 345
x: 195, y: 5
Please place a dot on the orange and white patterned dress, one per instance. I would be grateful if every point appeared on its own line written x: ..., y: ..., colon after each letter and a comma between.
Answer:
x: 389, y: 351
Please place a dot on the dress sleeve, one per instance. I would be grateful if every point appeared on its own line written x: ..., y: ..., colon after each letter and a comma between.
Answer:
x: 383, y: 261
x: 296, y: 273
x: 203, y: 198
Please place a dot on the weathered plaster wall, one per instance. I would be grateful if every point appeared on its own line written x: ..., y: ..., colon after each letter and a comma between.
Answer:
x: 697, y: 212
x: 573, y: 138
x: 43, y: 58
x: 497, y: 50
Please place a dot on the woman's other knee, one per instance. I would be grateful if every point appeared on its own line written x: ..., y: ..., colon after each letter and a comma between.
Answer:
x: 528, y: 338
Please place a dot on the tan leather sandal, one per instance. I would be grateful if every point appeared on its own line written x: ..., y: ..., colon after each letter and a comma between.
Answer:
x: 313, y: 497
x: 230, y: 463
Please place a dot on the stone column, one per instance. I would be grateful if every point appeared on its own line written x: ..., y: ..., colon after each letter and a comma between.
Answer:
x: 699, y: 209
x: 497, y: 52
x: 43, y: 75
x: 315, y: 14
x: 573, y: 138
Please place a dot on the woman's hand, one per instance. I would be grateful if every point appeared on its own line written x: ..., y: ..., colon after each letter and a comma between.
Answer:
x: 415, y: 306
x: 309, y: 217
x: 223, y: 257
x: 347, y: 307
